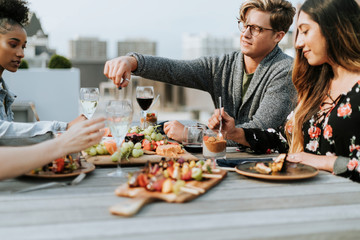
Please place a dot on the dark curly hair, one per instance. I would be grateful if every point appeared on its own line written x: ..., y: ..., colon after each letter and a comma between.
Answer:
x: 13, y: 12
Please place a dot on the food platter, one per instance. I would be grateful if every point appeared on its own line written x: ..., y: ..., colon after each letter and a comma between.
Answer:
x: 140, y: 196
x: 85, y: 168
x: 293, y: 171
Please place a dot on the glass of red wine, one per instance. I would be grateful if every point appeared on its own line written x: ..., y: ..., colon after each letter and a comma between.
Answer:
x: 193, y: 138
x: 144, y: 97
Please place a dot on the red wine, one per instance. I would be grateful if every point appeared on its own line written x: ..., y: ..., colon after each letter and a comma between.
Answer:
x: 144, y: 102
x: 193, y: 148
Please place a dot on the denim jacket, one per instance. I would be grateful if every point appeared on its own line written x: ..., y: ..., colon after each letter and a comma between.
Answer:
x: 15, y: 131
x: 6, y: 99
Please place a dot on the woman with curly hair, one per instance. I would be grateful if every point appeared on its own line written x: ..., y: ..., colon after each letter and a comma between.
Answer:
x: 13, y: 39
x: 324, y: 129
x: 13, y: 14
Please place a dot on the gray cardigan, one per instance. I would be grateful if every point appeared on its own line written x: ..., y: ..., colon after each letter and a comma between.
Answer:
x: 267, y: 102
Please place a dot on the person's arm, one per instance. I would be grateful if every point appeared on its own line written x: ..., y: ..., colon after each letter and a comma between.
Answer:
x: 198, y: 73
x: 18, y: 134
x: 174, y: 130
x: 119, y: 69
x: 259, y: 140
x: 17, y: 129
x: 228, y: 125
x: 15, y: 161
x: 321, y: 162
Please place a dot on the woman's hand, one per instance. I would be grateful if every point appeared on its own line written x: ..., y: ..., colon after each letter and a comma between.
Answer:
x: 119, y: 69
x: 174, y: 130
x: 76, y: 120
x: 81, y: 136
x: 320, y: 162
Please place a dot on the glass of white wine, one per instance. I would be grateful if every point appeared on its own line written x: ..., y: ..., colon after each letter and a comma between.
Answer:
x: 89, y: 98
x: 119, y: 114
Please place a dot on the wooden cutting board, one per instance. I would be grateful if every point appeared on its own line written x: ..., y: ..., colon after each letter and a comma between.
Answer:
x: 104, y: 160
x: 140, y: 196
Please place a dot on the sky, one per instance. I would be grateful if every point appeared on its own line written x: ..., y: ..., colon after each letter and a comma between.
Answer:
x: 163, y: 21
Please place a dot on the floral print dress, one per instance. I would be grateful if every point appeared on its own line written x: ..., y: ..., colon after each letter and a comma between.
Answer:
x: 333, y: 131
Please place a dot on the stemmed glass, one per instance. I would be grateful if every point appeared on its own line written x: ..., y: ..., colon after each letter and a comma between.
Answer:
x: 119, y: 115
x: 144, y: 97
x: 89, y: 98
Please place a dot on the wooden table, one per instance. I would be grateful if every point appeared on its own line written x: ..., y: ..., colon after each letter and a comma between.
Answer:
x: 324, y: 207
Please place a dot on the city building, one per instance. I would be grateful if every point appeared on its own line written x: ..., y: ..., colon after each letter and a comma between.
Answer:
x: 203, y: 44
x: 37, y: 51
x: 88, y: 48
x: 139, y: 45
x: 89, y: 55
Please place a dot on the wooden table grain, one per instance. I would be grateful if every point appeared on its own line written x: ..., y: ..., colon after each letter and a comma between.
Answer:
x: 323, y: 207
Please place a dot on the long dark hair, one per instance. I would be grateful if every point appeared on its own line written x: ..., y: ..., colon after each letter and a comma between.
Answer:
x: 339, y: 22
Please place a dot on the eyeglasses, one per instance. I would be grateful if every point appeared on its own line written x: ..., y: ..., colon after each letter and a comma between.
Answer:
x: 254, y: 30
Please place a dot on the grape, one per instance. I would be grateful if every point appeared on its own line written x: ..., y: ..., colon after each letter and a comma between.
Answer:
x: 137, y: 146
x: 153, y: 136
x: 137, y: 153
x: 158, y: 137
x: 177, y: 186
x: 87, y: 150
x: 150, y: 129
x: 196, y: 173
x: 125, y: 145
x: 146, y: 132
x: 131, y: 144
x: 92, y: 151
x: 147, y: 137
x: 124, y: 149
x: 115, y: 157
x: 99, y: 150
x: 105, y: 150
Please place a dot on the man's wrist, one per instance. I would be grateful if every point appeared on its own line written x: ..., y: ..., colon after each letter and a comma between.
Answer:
x: 133, y: 59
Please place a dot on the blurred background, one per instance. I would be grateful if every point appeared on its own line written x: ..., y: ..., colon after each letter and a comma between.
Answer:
x: 89, y: 32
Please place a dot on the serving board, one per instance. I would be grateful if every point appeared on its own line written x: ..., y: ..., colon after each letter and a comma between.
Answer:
x: 140, y: 196
x: 104, y: 160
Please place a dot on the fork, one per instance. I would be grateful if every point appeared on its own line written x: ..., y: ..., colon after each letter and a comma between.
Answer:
x: 220, y: 120
x: 75, y: 181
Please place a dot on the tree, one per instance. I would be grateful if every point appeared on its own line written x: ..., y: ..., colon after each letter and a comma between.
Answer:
x: 57, y: 61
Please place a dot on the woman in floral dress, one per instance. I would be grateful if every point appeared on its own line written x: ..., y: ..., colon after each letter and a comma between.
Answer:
x: 324, y: 129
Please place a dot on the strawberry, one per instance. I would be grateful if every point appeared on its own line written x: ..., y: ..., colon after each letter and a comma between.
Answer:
x: 142, y: 180
x: 60, y: 164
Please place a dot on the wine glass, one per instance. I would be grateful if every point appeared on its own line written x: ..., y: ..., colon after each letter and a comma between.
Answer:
x: 144, y: 97
x: 89, y: 98
x: 119, y: 115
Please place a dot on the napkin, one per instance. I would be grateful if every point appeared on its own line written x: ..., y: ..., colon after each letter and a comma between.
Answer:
x: 233, y: 162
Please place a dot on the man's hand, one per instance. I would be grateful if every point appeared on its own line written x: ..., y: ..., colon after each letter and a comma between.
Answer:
x: 119, y: 70
x: 228, y: 125
x: 174, y: 130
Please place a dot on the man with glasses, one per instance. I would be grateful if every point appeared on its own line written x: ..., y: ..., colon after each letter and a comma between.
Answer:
x: 254, y: 83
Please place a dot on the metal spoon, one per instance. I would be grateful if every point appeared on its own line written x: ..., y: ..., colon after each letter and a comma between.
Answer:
x: 220, y: 120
